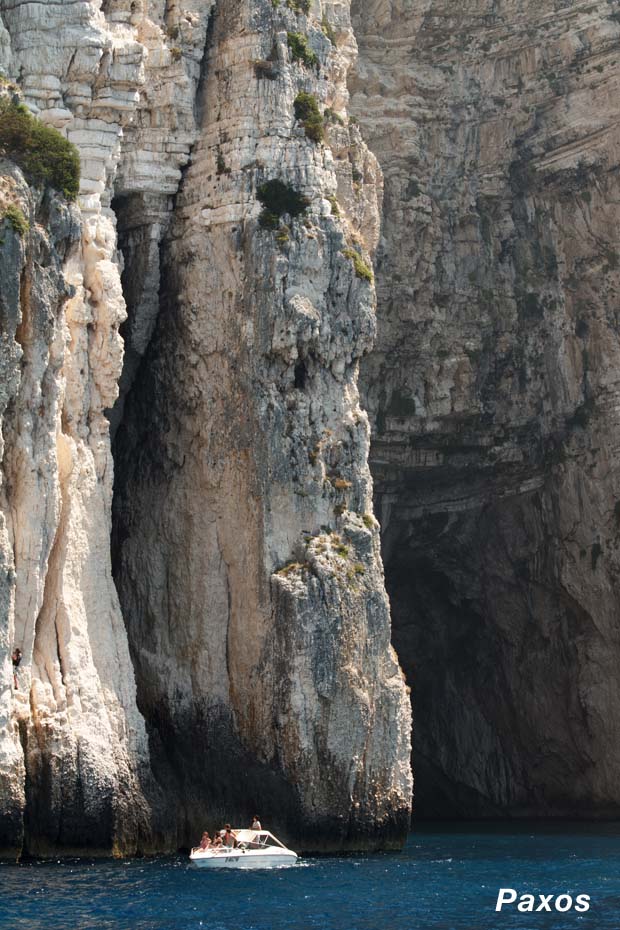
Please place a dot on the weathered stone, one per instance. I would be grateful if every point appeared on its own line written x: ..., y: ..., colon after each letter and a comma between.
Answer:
x: 493, y: 390
x: 82, y: 767
x: 123, y: 82
x: 243, y: 446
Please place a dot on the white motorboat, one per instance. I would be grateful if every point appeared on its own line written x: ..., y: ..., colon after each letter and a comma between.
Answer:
x: 255, y: 849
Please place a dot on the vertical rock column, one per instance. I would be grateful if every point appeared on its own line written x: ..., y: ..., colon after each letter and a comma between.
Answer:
x: 83, y: 743
x: 76, y: 779
x: 246, y: 554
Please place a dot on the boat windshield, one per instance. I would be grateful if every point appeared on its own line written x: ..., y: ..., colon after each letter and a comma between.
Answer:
x: 268, y: 839
x: 258, y: 838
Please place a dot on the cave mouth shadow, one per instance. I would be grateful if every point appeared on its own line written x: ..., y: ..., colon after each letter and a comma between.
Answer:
x: 500, y: 659
x: 435, y: 631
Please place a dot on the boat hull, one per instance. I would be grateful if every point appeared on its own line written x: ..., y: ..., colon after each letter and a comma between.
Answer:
x: 244, y: 859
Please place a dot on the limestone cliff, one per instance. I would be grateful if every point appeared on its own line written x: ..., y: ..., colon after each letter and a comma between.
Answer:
x: 247, y: 556
x: 72, y: 739
x: 74, y: 746
x: 494, y: 391
x: 208, y: 301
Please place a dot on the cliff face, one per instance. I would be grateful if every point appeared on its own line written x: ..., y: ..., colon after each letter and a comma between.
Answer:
x: 74, y: 747
x: 493, y: 390
x: 208, y: 301
x: 247, y: 557
x: 72, y: 740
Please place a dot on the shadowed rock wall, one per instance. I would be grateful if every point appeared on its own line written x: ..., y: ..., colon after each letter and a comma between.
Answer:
x: 494, y: 392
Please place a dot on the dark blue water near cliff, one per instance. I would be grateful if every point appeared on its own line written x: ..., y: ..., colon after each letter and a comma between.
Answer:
x: 445, y: 879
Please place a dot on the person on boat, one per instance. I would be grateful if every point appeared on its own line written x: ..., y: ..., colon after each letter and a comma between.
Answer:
x: 229, y: 837
x: 256, y: 823
x: 217, y: 842
x: 205, y: 842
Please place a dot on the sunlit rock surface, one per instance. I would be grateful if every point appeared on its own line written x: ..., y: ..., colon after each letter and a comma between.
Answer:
x: 246, y: 554
x: 236, y: 350
x: 74, y: 755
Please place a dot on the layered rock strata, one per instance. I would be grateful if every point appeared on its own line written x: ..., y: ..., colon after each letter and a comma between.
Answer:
x: 246, y: 554
x: 494, y: 392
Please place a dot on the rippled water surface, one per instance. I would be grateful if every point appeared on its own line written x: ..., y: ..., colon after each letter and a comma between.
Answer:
x: 443, y: 879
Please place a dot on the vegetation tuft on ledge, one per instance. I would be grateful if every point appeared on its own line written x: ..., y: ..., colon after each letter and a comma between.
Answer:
x: 300, y: 50
x: 308, y: 113
x: 362, y: 270
x: 16, y: 220
x: 40, y: 151
x: 279, y: 198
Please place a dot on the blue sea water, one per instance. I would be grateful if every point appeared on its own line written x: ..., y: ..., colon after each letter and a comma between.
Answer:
x: 445, y: 879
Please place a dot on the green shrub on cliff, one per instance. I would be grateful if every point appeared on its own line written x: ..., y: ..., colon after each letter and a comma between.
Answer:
x: 16, y: 220
x: 362, y: 270
x: 308, y: 113
x: 300, y: 51
x: 277, y: 199
x: 40, y: 151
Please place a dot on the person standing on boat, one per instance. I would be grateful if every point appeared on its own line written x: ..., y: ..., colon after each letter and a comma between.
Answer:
x: 229, y: 837
x: 256, y: 823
